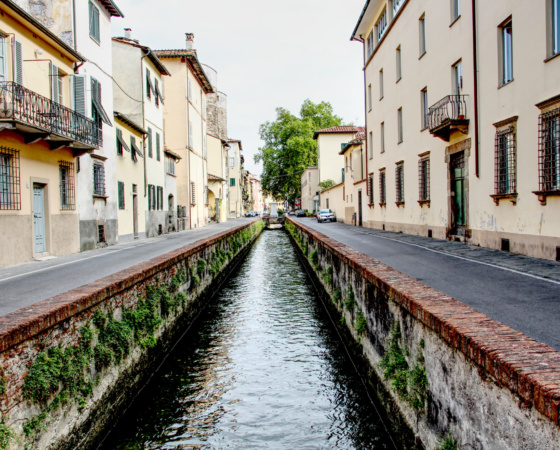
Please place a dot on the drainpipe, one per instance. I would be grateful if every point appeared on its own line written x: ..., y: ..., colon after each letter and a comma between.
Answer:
x: 475, y: 68
x: 143, y: 122
x: 365, y: 114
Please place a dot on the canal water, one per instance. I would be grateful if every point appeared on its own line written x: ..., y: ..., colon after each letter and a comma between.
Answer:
x: 263, y: 367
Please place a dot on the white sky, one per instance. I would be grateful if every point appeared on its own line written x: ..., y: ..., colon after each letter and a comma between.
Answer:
x: 268, y: 54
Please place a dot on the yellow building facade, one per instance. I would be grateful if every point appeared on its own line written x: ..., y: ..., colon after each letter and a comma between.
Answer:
x: 40, y: 139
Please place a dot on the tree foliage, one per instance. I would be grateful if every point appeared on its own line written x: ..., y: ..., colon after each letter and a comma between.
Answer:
x: 289, y: 147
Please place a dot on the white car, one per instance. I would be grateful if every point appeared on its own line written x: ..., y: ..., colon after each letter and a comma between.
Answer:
x: 326, y: 215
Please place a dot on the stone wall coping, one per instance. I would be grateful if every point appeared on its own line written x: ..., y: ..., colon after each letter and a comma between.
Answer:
x: 526, y: 367
x: 29, y: 321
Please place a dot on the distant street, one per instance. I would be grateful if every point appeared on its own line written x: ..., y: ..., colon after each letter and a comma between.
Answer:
x: 28, y: 283
x: 521, y: 292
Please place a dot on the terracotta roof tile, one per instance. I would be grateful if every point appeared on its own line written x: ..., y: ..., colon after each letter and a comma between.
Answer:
x: 334, y: 130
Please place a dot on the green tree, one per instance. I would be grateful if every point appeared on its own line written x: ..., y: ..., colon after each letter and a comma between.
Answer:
x: 289, y: 147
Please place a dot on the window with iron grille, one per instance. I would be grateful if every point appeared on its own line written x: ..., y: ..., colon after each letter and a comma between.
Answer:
x: 101, y: 233
x: 121, y: 194
x: 193, y: 194
x: 424, y: 179
x: 399, y: 182
x: 98, y: 179
x: 549, y: 151
x: 370, y: 189
x: 382, y: 190
x: 67, y: 186
x: 10, y: 194
x: 505, y: 162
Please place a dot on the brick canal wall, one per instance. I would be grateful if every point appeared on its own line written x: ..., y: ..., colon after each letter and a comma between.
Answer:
x: 70, y: 363
x: 447, y: 368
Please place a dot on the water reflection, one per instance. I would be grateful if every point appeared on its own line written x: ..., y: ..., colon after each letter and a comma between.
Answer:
x: 263, y: 368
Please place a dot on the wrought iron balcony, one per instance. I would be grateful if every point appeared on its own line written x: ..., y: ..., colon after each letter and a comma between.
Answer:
x: 38, y: 117
x: 448, y: 115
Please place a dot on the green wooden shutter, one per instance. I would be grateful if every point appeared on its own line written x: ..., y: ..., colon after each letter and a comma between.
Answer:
x: 150, y: 143
x: 121, y: 194
x: 79, y: 94
x: 158, y: 157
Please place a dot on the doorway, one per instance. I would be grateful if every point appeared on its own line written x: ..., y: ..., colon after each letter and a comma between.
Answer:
x: 39, y: 218
x: 457, y: 193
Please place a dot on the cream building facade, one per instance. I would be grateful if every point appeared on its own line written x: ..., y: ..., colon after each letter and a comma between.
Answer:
x: 138, y: 73
x: 235, y: 177
x: 460, y: 146
x: 310, y: 189
x: 41, y: 137
x: 186, y: 128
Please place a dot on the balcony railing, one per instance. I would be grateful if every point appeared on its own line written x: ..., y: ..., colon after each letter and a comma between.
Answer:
x: 42, y: 115
x: 449, y: 114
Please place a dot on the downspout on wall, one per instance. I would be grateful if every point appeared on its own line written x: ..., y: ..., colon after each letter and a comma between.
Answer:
x: 475, y: 68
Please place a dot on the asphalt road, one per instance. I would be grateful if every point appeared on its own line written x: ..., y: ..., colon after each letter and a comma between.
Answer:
x: 523, y: 293
x: 28, y: 283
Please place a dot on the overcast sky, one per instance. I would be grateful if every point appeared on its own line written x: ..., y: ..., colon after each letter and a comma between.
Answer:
x: 267, y: 54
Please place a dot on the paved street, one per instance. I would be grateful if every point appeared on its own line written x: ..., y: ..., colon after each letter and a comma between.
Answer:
x: 27, y: 283
x: 521, y: 292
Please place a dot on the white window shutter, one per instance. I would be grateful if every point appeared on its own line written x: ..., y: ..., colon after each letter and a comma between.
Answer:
x: 79, y: 94
x: 3, y: 74
x: 18, y: 62
x: 54, y: 83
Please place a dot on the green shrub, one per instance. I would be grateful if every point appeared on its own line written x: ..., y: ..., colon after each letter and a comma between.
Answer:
x: 361, y: 324
x: 350, y: 299
x: 447, y: 442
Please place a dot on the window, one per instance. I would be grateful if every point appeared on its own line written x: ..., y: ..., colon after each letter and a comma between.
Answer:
x: 159, y: 199
x: 57, y: 85
x: 505, y: 161
x: 67, y: 186
x: 232, y: 161
x: 555, y: 10
x: 18, y: 62
x: 370, y: 145
x: 424, y: 107
x: 232, y: 181
x: 506, y: 57
x: 399, y: 126
x: 78, y: 83
x: 204, y: 148
x: 455, y: 10
x: 170, y: 166
x: 399, y: 182
x: 10, y: 196
x: 370, y: 103
x: 156, y: 92
x: 382, y: 191
x: 98, y: 179
x: 397, y: 6
x: 191, y: 145
x: 121, y: 145
x: 206, y: 195
x: 370, y: 189
x: 134, y: 150
x: 398, y: 60
x: 98, y: 113
x: 151, y: 197
x: 193, y: 194
x: 549, y: 151
x: 204, y: 113
x: 382, y: 134
x: 457, y: 73
x: 369, y: 45
x: 94, y: 22
x: 189, y: 89
x: 158, y: 150
x: 424, y: 178
x: 380, y: 84
x: 381, y: 25
x: 121, y: 194
x: 149, y: 85
x: 150, y: 149
x: 3, y: 55
x: 422, y: 31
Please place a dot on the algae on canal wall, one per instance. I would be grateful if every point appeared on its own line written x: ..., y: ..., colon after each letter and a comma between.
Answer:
x: 71, y: 362
x: 449, y: 370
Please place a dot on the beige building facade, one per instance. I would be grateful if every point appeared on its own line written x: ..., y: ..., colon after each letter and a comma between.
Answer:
x: 235, y: 179
x: 310, y: 189
x: 41, y: 137
x: 461, y: 126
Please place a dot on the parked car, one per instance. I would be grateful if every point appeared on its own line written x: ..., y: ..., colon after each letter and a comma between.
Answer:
x: 325, y: 215
x: 300, y: 213
x: 291, y: 212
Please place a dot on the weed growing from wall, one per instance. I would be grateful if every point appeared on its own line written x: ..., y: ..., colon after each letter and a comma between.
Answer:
x: 337, y: 296
x: 361, y: 324
x: 314, y: 258
x: 410, y: 385
x: 350, y: 299
x: 5, y: 436
x: 447, y: 442
x: 326, y: 276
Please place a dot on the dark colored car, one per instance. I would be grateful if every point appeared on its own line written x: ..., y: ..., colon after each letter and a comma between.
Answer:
x: 300, y: 213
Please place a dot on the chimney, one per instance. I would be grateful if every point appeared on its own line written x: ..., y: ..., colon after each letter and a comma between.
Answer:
x: 128, y: 33
x: 190, y: 41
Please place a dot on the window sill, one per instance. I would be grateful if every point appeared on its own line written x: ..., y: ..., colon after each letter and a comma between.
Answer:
x: 422, y: 55
x: 505, y: 84
x: 100, y: 197
x: 383, y: 204
x: 498, y: 197
x: 371, y: 205
x: 424, y: 202
x: 172, y: 175
x: 542, y: 195
x: 398, y: 79
x: 550, y: 58
x: 399, y: 142
x: 95, y: 40
x: 399, y: 204
x: 455, y: 21
x: 423, y: 129
x: 381, y: 98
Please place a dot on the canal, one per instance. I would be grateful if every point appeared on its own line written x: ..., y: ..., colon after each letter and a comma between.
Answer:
x: 262, y: 367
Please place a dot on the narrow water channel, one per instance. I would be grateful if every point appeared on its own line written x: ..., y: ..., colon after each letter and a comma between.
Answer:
x: 263, y: 367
